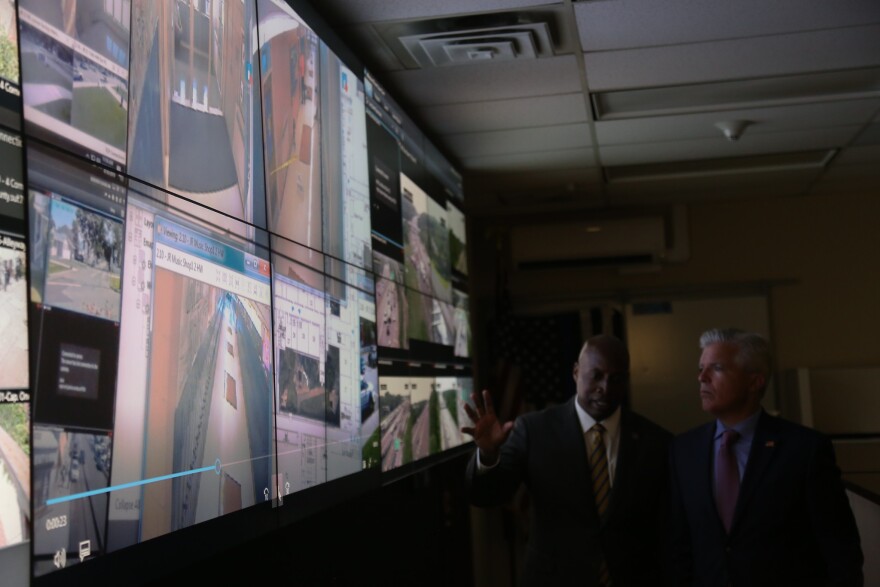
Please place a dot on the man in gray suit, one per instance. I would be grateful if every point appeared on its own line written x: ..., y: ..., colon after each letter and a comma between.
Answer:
x: 595, y: 471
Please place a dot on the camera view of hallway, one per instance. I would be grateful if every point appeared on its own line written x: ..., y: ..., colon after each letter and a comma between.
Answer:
x: 193, y: 110
x: 289, y: 80
x: 209, y: 386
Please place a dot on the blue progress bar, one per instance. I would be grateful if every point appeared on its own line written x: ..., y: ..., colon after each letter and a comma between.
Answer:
x: 390, y: 240
x: 55, y: 500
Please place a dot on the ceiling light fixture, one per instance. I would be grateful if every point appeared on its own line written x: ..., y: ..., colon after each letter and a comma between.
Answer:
x: 733, y: 129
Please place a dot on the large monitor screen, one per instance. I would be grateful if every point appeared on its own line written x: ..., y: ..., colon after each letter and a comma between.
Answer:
x: 76, y: 214
x: 289, y: 78
x: 195, y: 119
x: 74, y: 73
x: 233, y: 278
x: 346, y: 201
x: 193, y: 426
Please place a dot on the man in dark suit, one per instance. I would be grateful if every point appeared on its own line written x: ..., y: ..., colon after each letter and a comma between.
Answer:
x: 756, y: 500
x: 596, y: 492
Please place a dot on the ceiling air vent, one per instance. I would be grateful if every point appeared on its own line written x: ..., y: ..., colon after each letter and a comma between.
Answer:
x: 526, y: 41
x: 534, y: 33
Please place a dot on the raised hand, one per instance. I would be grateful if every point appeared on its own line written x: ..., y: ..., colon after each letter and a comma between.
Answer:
x: 488, y: 432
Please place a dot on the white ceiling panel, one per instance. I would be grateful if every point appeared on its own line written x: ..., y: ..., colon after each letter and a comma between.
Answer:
x: 630, y: 154
x: 506, y: 114
x: 360, y: 11
x: 763, y: 120
x: 627, y: 24
x: 526, y: 140
x: 545, y: 160
x: 738, y: 59
x: 488, y: 81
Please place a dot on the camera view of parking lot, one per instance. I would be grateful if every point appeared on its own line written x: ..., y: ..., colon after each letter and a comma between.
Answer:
x: 74, y: 69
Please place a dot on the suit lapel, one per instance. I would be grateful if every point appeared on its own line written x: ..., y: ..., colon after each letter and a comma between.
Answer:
x: 627, y: 449
x: 760, y: 455
x: 704, y: 458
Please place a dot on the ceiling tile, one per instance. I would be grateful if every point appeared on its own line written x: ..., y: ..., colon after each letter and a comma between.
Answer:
x: 545, y: 160
x: 763, y: 120
x: 360, y: 11
x: 527, y: 140
x: 506, y: 114
x: 478, y: 82
x: 719, y: 147
x: 627, y: 24
x: 739, y: 59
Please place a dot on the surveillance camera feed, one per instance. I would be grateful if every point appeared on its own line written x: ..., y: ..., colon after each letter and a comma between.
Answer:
x: 10, y: 82
x: 15, y: 410
x: 74, y: 58
x: 194, y: 117
x: 235, y: 275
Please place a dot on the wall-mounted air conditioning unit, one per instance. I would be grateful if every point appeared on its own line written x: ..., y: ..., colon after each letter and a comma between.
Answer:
x: 616, y: 242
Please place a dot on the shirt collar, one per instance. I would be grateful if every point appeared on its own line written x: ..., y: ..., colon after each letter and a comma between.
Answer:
x: 746, y: 428
x: 611, y: 423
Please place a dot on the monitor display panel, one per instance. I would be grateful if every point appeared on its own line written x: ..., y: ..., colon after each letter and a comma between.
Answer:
x: 385, y: 206
x: 74, y: 75
x: 289, y: 79
x: 13, y: 315
x: 195, y: 114
x: 193, y: 426
x: 346, y: 199
x: 462, y: 340
x: 10, y: 82
x: 395, y: 403
x: 453, y: 393
x: 351, y: 377
x: 76, y: 223
x: 12, y: 195
x: 390, y: 301
x: 302, y: 406
x: 456, y: 223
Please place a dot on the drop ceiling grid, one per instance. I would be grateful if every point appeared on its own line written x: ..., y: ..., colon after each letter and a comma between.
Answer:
x: 528, y: 140
x: 488, y: 81
x: 506, y: 114
x: 628, y: 24
x: 733, y: 60
x: 764, y: 120
x: 541, y: 160
x: 781, y: 142
x: 364, y: 11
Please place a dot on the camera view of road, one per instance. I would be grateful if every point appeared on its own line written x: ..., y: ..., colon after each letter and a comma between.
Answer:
x: 395, y: 422
x: 67, y: 463
x: 15, y: 478
x: 85, y: 256
x: 74, y: 71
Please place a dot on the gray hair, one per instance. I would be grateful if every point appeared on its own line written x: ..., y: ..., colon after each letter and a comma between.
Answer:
x: 753, y: 350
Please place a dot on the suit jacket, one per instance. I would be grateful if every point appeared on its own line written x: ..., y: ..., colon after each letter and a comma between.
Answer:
x: 546, y: 451
x: 792, y: 525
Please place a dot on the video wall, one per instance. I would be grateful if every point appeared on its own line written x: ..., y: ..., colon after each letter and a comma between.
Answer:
x: 232, y: 272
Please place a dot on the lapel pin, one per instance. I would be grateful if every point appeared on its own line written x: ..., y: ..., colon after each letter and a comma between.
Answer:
x: 770, y: 443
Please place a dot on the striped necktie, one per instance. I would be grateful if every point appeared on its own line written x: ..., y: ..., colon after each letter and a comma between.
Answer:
x: 601, y: 484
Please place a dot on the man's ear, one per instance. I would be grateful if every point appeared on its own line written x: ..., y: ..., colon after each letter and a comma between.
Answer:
x: 574, y: 372
x: 757, y: 382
